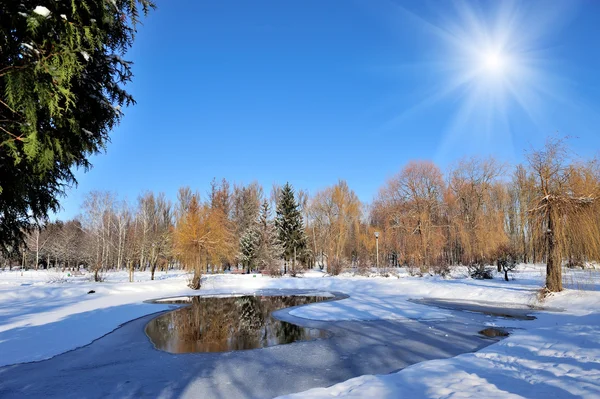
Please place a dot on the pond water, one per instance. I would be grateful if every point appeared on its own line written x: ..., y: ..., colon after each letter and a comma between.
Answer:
x: 217, y: 324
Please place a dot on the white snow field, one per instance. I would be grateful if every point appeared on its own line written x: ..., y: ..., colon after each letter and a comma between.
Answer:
x: 46, y: 313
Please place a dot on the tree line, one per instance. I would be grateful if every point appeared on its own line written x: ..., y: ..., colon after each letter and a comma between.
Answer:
x: 62, y: 80
x: 477, y: 213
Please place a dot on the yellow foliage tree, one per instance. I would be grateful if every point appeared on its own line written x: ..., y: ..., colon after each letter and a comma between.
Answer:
x: 201, y: 237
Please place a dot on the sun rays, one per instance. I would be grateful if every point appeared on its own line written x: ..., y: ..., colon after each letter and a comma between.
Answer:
x: 492, y: 64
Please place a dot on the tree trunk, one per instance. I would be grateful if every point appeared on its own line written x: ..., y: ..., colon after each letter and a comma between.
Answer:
x: 524, y: 248
x: 195, y: 283
x: 37, y: 249
x: 553, y: 265
x: 294, y: 263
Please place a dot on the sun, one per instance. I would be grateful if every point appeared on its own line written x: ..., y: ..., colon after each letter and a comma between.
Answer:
x: 494, y: 62
x: 489, y: 67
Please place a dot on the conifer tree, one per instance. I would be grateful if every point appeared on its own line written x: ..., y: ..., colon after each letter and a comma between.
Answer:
x: 61, y: 93
x: 290, y: 227
x: 268, y: 251
x: 245, y: 208
x: 249, y: 243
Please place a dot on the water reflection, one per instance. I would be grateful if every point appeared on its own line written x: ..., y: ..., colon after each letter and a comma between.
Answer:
x: 232, y: 323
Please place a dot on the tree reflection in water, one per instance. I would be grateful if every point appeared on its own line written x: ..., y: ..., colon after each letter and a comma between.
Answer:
x: 226, y: 324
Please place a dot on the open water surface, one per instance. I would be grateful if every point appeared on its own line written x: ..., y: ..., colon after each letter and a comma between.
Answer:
x: 222, y: 324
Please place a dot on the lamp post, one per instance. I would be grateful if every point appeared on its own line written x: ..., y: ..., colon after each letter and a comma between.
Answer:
x: 377, y: 248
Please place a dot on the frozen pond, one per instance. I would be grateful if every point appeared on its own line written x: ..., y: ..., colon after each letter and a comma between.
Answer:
x: 222, y: 324
x: 125, y: 363
x: 495, y: 309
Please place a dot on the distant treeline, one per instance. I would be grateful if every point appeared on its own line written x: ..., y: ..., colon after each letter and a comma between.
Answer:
x: 479, y: 211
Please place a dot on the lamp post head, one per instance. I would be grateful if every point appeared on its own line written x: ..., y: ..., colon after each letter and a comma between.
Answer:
x: 376, y: 234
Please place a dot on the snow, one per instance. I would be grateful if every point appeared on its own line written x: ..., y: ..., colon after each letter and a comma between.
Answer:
x: 45, y: 313
x: 552, y: 361
x: 557, y: 355
x: 41, y: 10
x: 40, y: 316
x: 30, y: 47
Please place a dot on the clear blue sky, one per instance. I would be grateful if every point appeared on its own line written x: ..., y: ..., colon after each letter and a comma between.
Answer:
x: 316, y: 90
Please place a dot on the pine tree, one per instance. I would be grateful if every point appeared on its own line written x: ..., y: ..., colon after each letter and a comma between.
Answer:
x: 61, y: 93
x: 245, y: 207
x: 249, y: 243
x: 290, y: 227
x: 269, y: 250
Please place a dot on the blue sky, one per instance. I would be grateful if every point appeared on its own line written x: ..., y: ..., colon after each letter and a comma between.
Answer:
x: 313, y: 91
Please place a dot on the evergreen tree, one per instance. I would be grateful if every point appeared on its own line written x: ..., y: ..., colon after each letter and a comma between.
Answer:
x: 290, y: 227
x: 269, y: 250
x: 245, y: 208
x: 249, y: 243
x: 61, y: 93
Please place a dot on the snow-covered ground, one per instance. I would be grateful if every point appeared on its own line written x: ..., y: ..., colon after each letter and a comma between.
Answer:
x: 46, y: 313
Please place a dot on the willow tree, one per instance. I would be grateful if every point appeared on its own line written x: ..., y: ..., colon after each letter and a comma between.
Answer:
x: 414, y: 201
x: 61, y: 93
x: 477, y: 213
x: 335, y: 214
x: 565, y: 208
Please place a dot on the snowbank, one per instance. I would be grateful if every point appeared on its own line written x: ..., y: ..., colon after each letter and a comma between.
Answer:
x: 43, y: 314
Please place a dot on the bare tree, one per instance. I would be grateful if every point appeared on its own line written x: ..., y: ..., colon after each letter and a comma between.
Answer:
x: 36, y: 241
x: 122, y: 220
x: 160, y: 233
x: 97, y: 222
